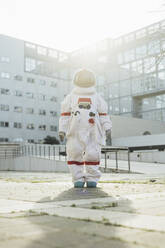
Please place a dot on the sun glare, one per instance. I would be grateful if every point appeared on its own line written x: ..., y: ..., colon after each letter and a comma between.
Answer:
x: 68, y: 25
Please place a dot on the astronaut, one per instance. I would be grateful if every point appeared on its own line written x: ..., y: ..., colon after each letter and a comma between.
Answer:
x: 85, y: 123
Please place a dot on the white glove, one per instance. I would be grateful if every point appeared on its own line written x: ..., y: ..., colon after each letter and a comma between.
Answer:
x: 61, y: 136
x: 108, y: 136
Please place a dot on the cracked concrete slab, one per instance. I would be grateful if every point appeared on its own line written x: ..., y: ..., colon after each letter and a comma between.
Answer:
x: 123, y: 214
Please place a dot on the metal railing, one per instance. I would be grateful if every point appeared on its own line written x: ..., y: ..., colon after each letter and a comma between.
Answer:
x: 54, y: 152
x: 9, y: 150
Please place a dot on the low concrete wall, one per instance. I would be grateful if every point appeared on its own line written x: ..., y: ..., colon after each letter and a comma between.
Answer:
x: 41, y: 164
x: 33, y: 164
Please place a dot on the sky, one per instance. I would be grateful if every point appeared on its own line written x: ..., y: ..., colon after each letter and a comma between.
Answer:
x: 71, y: 24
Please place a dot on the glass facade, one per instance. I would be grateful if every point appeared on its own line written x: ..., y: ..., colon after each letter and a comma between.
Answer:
x: 134, y: 73
x: 45, y: 61
x: 130, y: 70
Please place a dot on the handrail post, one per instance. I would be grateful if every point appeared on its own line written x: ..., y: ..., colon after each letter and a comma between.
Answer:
x: 54, y: 152
x: 65, y: 154
x: 129, y: 166
x: 59, y: 153
x: 105, y: 169
x: 117, y: 168
x: 49, y: 151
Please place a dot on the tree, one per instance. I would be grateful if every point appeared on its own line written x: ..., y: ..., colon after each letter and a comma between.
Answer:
x: 51, y: 140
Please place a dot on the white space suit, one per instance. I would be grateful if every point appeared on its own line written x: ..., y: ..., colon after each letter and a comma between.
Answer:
x: 84, y: 120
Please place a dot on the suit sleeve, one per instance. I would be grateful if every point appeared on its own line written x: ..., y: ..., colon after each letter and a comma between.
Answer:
x: 103, y: 114
x: 65, y: 114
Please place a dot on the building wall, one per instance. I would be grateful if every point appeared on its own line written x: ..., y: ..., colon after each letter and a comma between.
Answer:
x: 36, y: 95
x: 123, y: 126
x: 130, y: 72
x: 147, y: 140
x: 130, y: 75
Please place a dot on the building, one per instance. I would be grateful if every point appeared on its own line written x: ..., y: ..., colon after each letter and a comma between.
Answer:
x: 33, y: 80
x: 130, y: 75
x: 130, y: 72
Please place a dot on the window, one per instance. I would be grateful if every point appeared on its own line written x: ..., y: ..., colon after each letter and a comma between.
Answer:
x: 18, y: 109
x: 4, y: 139
x: 30, y: 64
x: 29, y: 95
x: 125, y: 71
x: 155, y: 102
x: 30, y: 140
x: 103, y: 59
x: 42, y: 97
x: 30, y: 45
x: 42, y: 82
x: 125, y: 104
x: 53, y: 53
x: 149, y: 65
x: 102, y: 45
x: 129, y: 55
x: 30, y: 111
x: 161, y: 64
x: 5, y: 75
x: 42, y: 112
x: 125, y: 88
x: 4, y: 107
x: 30, y: 80
x: 161, y: 79
x: 137, y: 68
x: 141, y: 34
x: 129, y: 38
x: 63, y: 57
x: 53, y: 113
x: 154, y: 28
x: 53, y: 84
x: 163, y: 25
x: 17, y: 125
x: 118, y: 42
x: 5, y: 91
x: 53, y: 99
x: 64, y: 73
x: 120, y: 58
x: 114, y: 90
x: 115, y: 106
x: 154, y: 47
x: 161, y: 75
x: 100, y: 80
x: 41, y: 50
x: 30, y: 126
x: 149, y: 82
x: 53, y: 128
x: 5, y: 59
x: 4, y: 124
x: 141, y: 51
x: 18, y: 93
x: 42, y: 127
x: 18, y: 77
x: 137, y: 85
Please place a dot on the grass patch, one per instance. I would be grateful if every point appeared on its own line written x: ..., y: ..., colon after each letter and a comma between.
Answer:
x: 73, y: 205
x: 21, y: 180
x: 109, y: 205
x: 38, y: 214
x: 150, y: 181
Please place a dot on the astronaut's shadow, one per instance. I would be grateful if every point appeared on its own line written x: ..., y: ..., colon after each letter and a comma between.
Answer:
x: 79, y: 193
x: 60, y: 231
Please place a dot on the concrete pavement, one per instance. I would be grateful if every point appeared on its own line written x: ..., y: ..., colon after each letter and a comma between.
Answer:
x: 44, y: 210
